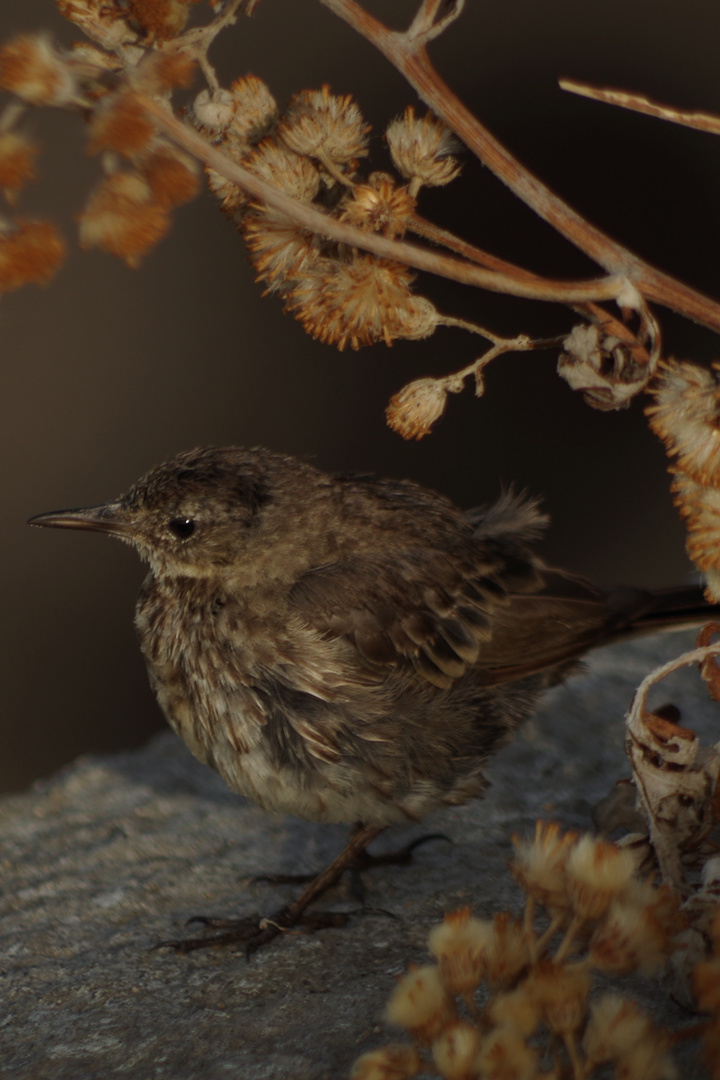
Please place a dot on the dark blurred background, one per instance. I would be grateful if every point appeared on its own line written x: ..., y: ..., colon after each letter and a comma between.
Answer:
x: 107, y: 372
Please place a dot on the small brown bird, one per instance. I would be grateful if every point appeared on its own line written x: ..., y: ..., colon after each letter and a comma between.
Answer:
x: 348, y: 648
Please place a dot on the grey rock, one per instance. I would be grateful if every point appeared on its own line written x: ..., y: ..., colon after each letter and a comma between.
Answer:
x: 113, y: 854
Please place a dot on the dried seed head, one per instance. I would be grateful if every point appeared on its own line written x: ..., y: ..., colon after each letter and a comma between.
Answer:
x: 324, y: 125
x: 30, y: 252
x: 506, y: 1056
x: 360, y: 303
x: 256, y: 110
x: 507, y: 953
x: 596, y: 872
x: 378, y: 206
x: 630, y: 938
x: 278, y: 250
x: 458, y: 944
x: 17, y: 161
x: 602, y: 367
x: 421, y: 1004
x: 160, y: 72
x: 518, y: 1009
x: 619, y: 1032
x: 701, y: 508
x: 160, y: 20
x: 120, y: 123
x: 455, y: 1052
x: 393, y: 1062
x: 122, y: 218
x: 686, y: 416
x: 233, y: 199
x: 539, y: 865
x: 414, y: 409
x: 296, y: 175
x: 561, y: 994
x: 421, y: 149
x: 105, y: 21
x: 31, y: 68
x: 172, y: 175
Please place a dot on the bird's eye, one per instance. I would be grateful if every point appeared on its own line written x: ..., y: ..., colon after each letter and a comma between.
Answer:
x: 182, y: 527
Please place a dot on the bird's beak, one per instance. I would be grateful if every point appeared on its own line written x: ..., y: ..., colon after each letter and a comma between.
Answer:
x: 109, y: 518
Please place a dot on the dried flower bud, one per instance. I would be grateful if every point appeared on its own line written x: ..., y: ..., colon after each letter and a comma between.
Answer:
x: 17, y: 161
x: 507, y: 953
x: 172, y: 175
x: 630, y: 938
x: 421, y: 149
x: 160, y: 20
x: 596, y: 872
x: 506, y: 1056
x: 701, y: 507
x: 561, y: 993
x: 105, y: 21
x: 30, y: 252
x: 295, y: 174
x: 213, y: 110
x: 361, y: 302
x: 31, y: 68
x: 686, y: 416
x: 122, y: 218
x: 280, y: 252
x: 458, y: 944
x: 120, y: 123
x: 324, y: 126
x: 455, y: 1052
x: 414, y: 409
x: 518, y: 1009
x: 539, y: 865
x: 379, y: 206
x: 255, y: 113
x: 393, y: 1062
x: 421, y: 1004
x: 619, y: 1032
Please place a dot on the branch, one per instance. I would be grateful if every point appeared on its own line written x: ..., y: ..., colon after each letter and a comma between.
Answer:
x: 411, y: 59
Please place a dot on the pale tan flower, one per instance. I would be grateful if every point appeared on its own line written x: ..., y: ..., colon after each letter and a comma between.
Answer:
x: 596, y: 872
x: 30, y: 252
x: 380, y: 205
x: 281, y: 253
x: 539, y: 865
x: 421, y: 149
x: 518, y: 1008
x: 505, y: 1055
x: 17, y: 161
x: 31, y: 68
x: 458, y: 944
x: 324, y: 126
x: 360, y: 302
x: 507, y: 952
x: 686, y: 416
x: 121, y: 123
x: 172, y: 176
x: 455, y: 1052
x: 629, y: 938
x: 619, y: 1032
x: 213, y: 111
x: 392, y: 1062
x: 255, y: 109
x: 122, y: 218
x: 414, y: 409
x: 421, y: 1004
x: 105, y: 21
x: 296, y: 175
x: 561, y: 994
x: 700, y: 506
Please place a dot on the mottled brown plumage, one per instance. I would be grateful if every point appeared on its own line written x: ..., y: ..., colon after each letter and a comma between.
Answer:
x: 347, y: 648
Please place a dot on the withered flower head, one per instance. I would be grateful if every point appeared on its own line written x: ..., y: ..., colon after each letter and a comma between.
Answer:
x: 458, y: 944
x: 213, y: 110
x: 172, y: 176
x: 324, y: 125
x: 160, y: 20
x: 105, y: 21
x: 380, y: 205
x: 686, y: 416
x: 455, y: 1051
x: 295, y: 174
x: 120, y: 123
x: 414, y: 409
x: 122, y: 218
x: 17, y: 161
x: 421, y: 1004
x: 421, y: 149
x: 539, y: 865
x: 31, y: 68
x: 506, y: 1056
x: 392, y: 1062
x: 256, y: 111
x: 561, y: 994
x: 596, y: 872
x: 630, y: 938
x: 30, y: 251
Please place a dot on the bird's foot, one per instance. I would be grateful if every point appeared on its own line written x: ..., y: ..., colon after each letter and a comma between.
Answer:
x: 254, y: 931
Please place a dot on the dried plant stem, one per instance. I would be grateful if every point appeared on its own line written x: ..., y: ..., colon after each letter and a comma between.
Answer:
x: 700, y: 121
x: 305, y: 215
x: 567, y: 941
x: 406, y: 51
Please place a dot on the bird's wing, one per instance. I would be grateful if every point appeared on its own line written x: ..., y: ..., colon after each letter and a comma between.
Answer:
x: 504, y: 617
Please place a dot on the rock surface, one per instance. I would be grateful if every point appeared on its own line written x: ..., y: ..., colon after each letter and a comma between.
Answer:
x: 113, y: 854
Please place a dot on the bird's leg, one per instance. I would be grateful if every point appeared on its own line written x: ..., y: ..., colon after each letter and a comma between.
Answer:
x: 254, y: 932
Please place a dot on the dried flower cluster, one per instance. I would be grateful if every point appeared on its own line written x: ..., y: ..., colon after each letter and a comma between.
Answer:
x: 312, y: 150
x: 685, y: 414
x: 539, y: 1016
